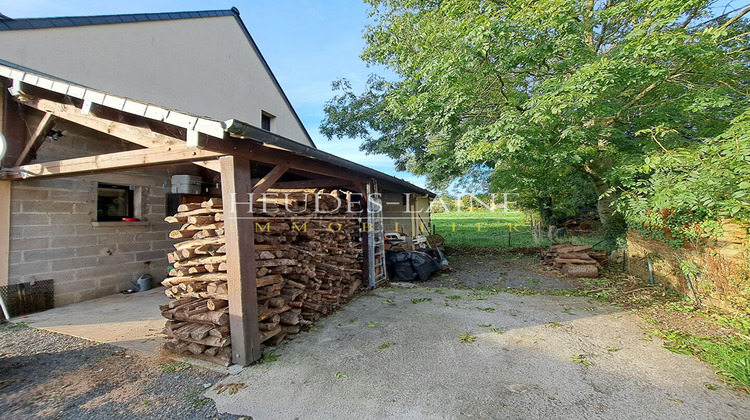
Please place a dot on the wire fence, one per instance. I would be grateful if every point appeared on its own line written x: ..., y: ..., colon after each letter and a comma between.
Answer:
x: 499, y: 230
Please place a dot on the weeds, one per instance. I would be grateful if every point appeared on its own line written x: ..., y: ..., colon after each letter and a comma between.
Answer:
x: 196, y: 399
x: 729, y: 355
x: 467, y: 337
x: 340, y: 375
x: 13, y: 325
x: 373, y: 324
x: 581, y: 358
x: 385, y: 345
x: 415, y: 301
x: 268, y: 358
x: 486, y: 309
x: 175, y: 367
x: 454, y: 297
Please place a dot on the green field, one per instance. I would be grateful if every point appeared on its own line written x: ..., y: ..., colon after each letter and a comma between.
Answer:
x: 485, y: 228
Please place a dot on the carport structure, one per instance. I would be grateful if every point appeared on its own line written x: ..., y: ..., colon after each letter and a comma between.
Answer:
x: 158, y: 137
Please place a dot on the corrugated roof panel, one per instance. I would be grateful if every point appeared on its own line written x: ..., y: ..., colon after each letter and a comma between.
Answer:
x: 181, y: 120
x: 16, y: 74
x: 156, y: 113
x: 76, y: 92
x: 113, y: 19
x: 94, y: 96
x: 115, y: 102
x: 60, y: 87
x: 44, y: 83
x: 31, y: 79
x: 212, y: 128
x: 133, y: 107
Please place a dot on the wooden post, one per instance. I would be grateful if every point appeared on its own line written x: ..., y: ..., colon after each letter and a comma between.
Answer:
x: 4, y: 231
x: 240, y: 244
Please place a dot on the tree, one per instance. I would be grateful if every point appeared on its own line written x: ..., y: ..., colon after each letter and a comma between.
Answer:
x: 541, y: 87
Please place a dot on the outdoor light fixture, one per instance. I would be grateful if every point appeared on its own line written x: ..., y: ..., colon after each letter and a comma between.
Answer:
x: 3, y: 151
x: 3, y: 148
x: 55, y: 135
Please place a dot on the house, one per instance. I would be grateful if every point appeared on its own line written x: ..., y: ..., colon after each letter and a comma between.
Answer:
x: 92, y: 151
x: 203, y: 63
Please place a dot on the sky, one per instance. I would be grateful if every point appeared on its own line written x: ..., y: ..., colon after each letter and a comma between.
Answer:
x: 307, y: 43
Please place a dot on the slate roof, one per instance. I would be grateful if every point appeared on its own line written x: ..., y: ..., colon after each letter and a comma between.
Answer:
x: 9, y: 24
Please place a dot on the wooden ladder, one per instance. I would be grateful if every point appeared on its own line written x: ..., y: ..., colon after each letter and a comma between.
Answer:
x: 375, y: 236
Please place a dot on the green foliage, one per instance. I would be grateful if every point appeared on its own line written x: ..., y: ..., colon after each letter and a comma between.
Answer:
x: 268, y: 358
x: 175, y: 367
x: 730, y: 355
x: 682, y: 192
x: 467, y: 337
x: 545, y: 95
x: 421, y: 300
x: 385, y: 345
x: 581, y: 358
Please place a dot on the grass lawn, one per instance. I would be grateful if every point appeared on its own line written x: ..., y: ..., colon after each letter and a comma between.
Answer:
x: 485, y: 228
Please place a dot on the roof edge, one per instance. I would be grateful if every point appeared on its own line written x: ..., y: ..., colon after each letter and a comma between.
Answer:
x: 273, y: 77
x: 73, y: 21
x: 205, y: 125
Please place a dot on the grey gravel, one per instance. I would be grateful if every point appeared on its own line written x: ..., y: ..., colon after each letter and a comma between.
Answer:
x: 54, y: 376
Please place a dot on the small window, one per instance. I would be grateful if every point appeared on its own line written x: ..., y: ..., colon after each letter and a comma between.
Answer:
x: 114, y: 202
x: 267, y: 121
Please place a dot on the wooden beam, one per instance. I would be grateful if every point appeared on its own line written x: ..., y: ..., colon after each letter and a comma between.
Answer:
x: 240, y: 244
x: 138, y: 135
x: 36, y: 138
x: 258, y: 152
x: 4, y: 231
x: 270, y: 179
x: 116, y: 161
x: 314, y: 183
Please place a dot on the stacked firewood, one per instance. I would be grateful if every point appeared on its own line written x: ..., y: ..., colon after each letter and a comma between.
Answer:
x: 575, y: 261
x: 307, y: 257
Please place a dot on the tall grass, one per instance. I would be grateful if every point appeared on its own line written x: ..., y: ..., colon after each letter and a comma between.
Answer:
x: 492, y: 229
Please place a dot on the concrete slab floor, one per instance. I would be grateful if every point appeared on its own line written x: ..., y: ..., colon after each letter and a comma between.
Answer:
x: 385, y: 355
x: 132, y: 321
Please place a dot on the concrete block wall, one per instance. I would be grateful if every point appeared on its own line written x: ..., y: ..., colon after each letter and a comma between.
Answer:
x: 54, y: 235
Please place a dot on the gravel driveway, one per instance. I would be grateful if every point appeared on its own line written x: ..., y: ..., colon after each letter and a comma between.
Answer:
x: 45, y: 375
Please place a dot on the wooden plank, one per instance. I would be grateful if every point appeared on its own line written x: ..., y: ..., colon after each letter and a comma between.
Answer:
x: 258, y: 152
x: 270, y: 179
x: 116, y: 161
x: 240, y: 247
x: 313, y: 183
x: 40, y: 133
x: 4, y: 231
x: 137, y: 135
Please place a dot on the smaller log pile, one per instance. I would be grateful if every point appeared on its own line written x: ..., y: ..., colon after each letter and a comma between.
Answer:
x: 575, y: 261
